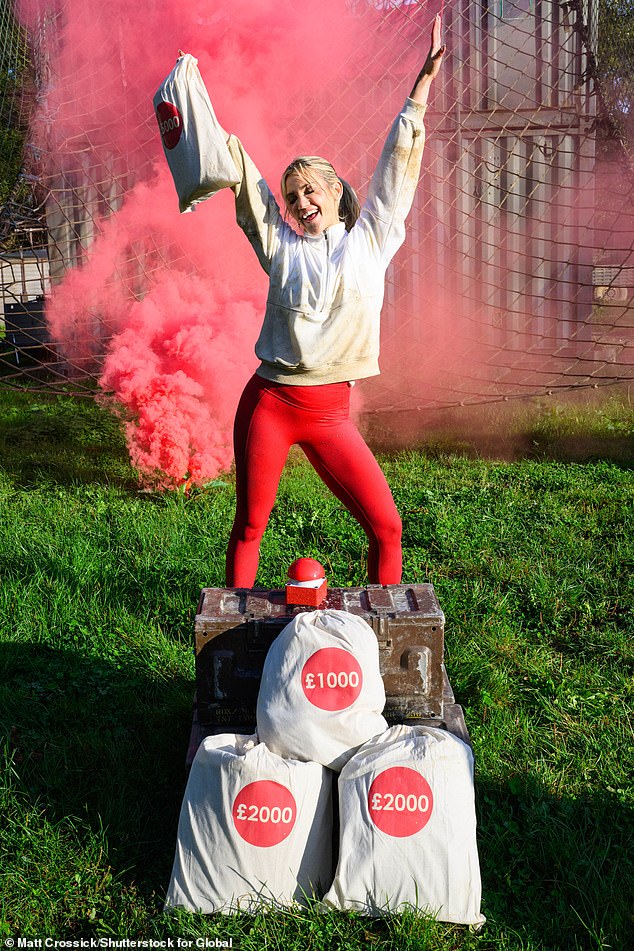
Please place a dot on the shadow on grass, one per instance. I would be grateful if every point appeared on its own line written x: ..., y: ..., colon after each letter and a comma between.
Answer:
x: 558, y: 871
x: 101, y: 741
x: 62, y: 440
x: 107, y: 743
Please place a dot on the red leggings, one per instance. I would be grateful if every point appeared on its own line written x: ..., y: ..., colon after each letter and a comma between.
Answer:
x: 271, y: 417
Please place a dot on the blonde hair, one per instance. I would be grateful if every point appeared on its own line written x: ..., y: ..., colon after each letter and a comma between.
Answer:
x: 349, y: 207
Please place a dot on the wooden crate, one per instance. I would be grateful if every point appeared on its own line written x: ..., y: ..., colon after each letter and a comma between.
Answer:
x: 235, y: 627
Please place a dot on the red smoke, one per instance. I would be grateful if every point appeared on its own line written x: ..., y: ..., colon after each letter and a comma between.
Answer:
x: 180, y: 298
x: 172, y: 369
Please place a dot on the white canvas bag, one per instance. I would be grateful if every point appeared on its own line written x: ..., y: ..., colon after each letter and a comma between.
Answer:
x: 408, y: 828
x: 193, y: 141
x: 254, y: 829
x: 321, y: 694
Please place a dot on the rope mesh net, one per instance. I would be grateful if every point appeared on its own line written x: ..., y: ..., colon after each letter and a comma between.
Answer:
x: 517, y: 274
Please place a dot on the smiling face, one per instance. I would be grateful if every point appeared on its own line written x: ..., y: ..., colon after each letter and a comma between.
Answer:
x: 312, y: 201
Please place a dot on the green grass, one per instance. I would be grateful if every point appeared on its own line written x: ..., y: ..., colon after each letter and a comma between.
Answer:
x: 532, y: 564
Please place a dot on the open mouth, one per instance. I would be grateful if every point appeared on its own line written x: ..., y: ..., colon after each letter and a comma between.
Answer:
x: 309, y: 217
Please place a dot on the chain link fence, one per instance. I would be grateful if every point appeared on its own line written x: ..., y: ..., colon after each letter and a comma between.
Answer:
x: 517, y: 275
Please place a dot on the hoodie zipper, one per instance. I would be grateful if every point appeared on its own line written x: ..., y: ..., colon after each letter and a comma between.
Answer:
x: 326, y: 282
x: 325, y: 276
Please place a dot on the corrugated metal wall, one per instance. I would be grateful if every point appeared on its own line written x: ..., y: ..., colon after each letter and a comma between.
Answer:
x: 501, y: 234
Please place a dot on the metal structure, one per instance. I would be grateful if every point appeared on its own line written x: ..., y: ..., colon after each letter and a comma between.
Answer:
x: 517, y: 276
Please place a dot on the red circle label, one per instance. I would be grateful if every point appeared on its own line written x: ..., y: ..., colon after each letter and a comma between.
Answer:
x: 170, y: 123
x: 332, y: 678
x: 400, y: 801
x: 264, y: 813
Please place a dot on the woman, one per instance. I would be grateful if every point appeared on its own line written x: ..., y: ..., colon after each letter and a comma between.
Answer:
x: 321, y: 332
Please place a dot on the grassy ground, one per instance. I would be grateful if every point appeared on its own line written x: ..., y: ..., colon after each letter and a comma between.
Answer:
x: 532, y: 564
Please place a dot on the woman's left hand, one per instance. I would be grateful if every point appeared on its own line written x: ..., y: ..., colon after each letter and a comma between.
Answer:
x: 431, y: 66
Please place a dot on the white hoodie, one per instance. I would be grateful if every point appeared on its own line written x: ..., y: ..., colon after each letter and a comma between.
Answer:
x: 326, y: 291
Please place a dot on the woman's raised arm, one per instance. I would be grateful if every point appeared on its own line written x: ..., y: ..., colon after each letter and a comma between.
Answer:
x: 431, y: 66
